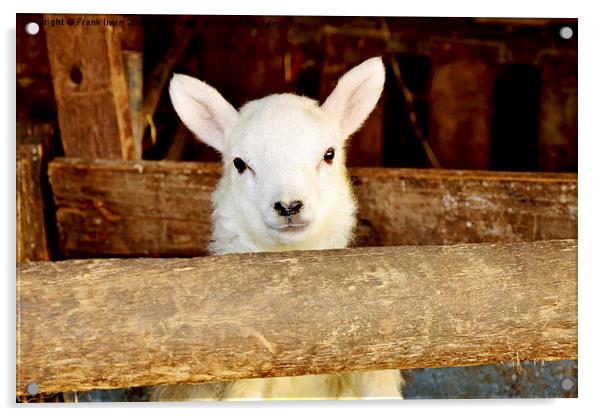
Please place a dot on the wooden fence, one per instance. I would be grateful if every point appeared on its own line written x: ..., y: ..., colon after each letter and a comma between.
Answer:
x: 145, y: 208
x: 89, y: 324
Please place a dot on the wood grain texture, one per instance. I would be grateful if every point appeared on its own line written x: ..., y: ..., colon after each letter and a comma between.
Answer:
x: 32, y: 244
x: 124, y: 208
x: 424, y: 206
x: 132, y: 322
x: 113, y: 208
x: 91, y: 89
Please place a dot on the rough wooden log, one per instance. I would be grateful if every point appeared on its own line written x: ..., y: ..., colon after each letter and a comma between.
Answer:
x: 32, y: 241
x: 85, y: 324
x: 124, y: 208
x: 90, y: 87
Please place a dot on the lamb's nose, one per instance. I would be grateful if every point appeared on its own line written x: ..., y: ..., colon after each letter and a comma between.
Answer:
x: 287, y: 210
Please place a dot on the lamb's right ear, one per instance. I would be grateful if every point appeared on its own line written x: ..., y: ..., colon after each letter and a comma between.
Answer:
x: 356, y: 95
x: 202, y: 109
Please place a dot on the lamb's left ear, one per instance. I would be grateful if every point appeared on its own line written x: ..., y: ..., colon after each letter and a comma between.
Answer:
x: 202, y: 109
x: 356, y: 95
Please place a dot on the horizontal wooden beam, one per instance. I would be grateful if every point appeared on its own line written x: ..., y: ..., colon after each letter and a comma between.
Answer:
x: 145, y: 208
x: 86, y: 324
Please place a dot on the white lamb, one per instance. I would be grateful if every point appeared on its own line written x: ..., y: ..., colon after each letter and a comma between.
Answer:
x: 284, y: 187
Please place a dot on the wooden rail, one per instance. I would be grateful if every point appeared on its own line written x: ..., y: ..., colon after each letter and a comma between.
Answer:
x: 87, y: 324
x: 143, y: 208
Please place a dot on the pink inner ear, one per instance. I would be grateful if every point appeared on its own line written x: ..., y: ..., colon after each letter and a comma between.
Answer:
x: 202, y: 109
x: 356, y: 95
x: 207, y: 115
x: 351, y: 114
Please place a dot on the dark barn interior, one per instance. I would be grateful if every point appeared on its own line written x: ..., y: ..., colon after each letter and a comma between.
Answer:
x: 498, y: 94
x: 466, y: 94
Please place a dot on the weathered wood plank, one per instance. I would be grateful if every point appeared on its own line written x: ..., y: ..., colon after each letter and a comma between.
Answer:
x: 85, y: 324
x: 90, y: 87
x: 116, y: 208
x: 32, y: 244
x: 125, y: 208
x: 413, y: 206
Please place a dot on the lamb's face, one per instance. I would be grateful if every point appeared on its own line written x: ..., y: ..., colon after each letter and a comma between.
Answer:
x: 284, y: 175
x: 284, y: 162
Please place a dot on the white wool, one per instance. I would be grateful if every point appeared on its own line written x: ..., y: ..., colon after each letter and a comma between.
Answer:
x: 282, y: 139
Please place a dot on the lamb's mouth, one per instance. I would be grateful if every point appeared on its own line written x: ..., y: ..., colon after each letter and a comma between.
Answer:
x: 290, y: 227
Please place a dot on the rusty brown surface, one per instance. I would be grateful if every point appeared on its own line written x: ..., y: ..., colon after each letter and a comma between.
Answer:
x: 131, y: 322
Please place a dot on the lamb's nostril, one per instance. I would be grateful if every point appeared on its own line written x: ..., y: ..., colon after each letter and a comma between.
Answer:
x: 288, y: 210
x: 280, y: 209
x: 294, y: 207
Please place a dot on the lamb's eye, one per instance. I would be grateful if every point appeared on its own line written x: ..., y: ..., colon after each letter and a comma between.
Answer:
x: 240, y: 165
x: 329, y: 155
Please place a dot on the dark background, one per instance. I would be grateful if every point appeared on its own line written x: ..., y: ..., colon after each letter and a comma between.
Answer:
x: 485, y: 93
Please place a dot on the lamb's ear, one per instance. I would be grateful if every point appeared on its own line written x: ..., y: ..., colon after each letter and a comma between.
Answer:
x: 202, y: 109
x: 356, y: 95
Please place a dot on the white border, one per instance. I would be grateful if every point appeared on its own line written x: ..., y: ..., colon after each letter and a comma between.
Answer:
x: 590, y: 136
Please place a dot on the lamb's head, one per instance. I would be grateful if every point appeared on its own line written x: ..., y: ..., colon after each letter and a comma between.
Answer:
x: 284, y: 184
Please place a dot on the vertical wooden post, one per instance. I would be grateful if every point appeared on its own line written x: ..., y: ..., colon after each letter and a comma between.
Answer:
x: 31, y: 231
x: 132, y: 45
x: 461, y: 103
x: 558, y: 113
x: 133, y: 61
x: 90, y: 88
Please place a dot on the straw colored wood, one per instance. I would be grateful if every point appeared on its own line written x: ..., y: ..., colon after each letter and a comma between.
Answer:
x: 88, y: 324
